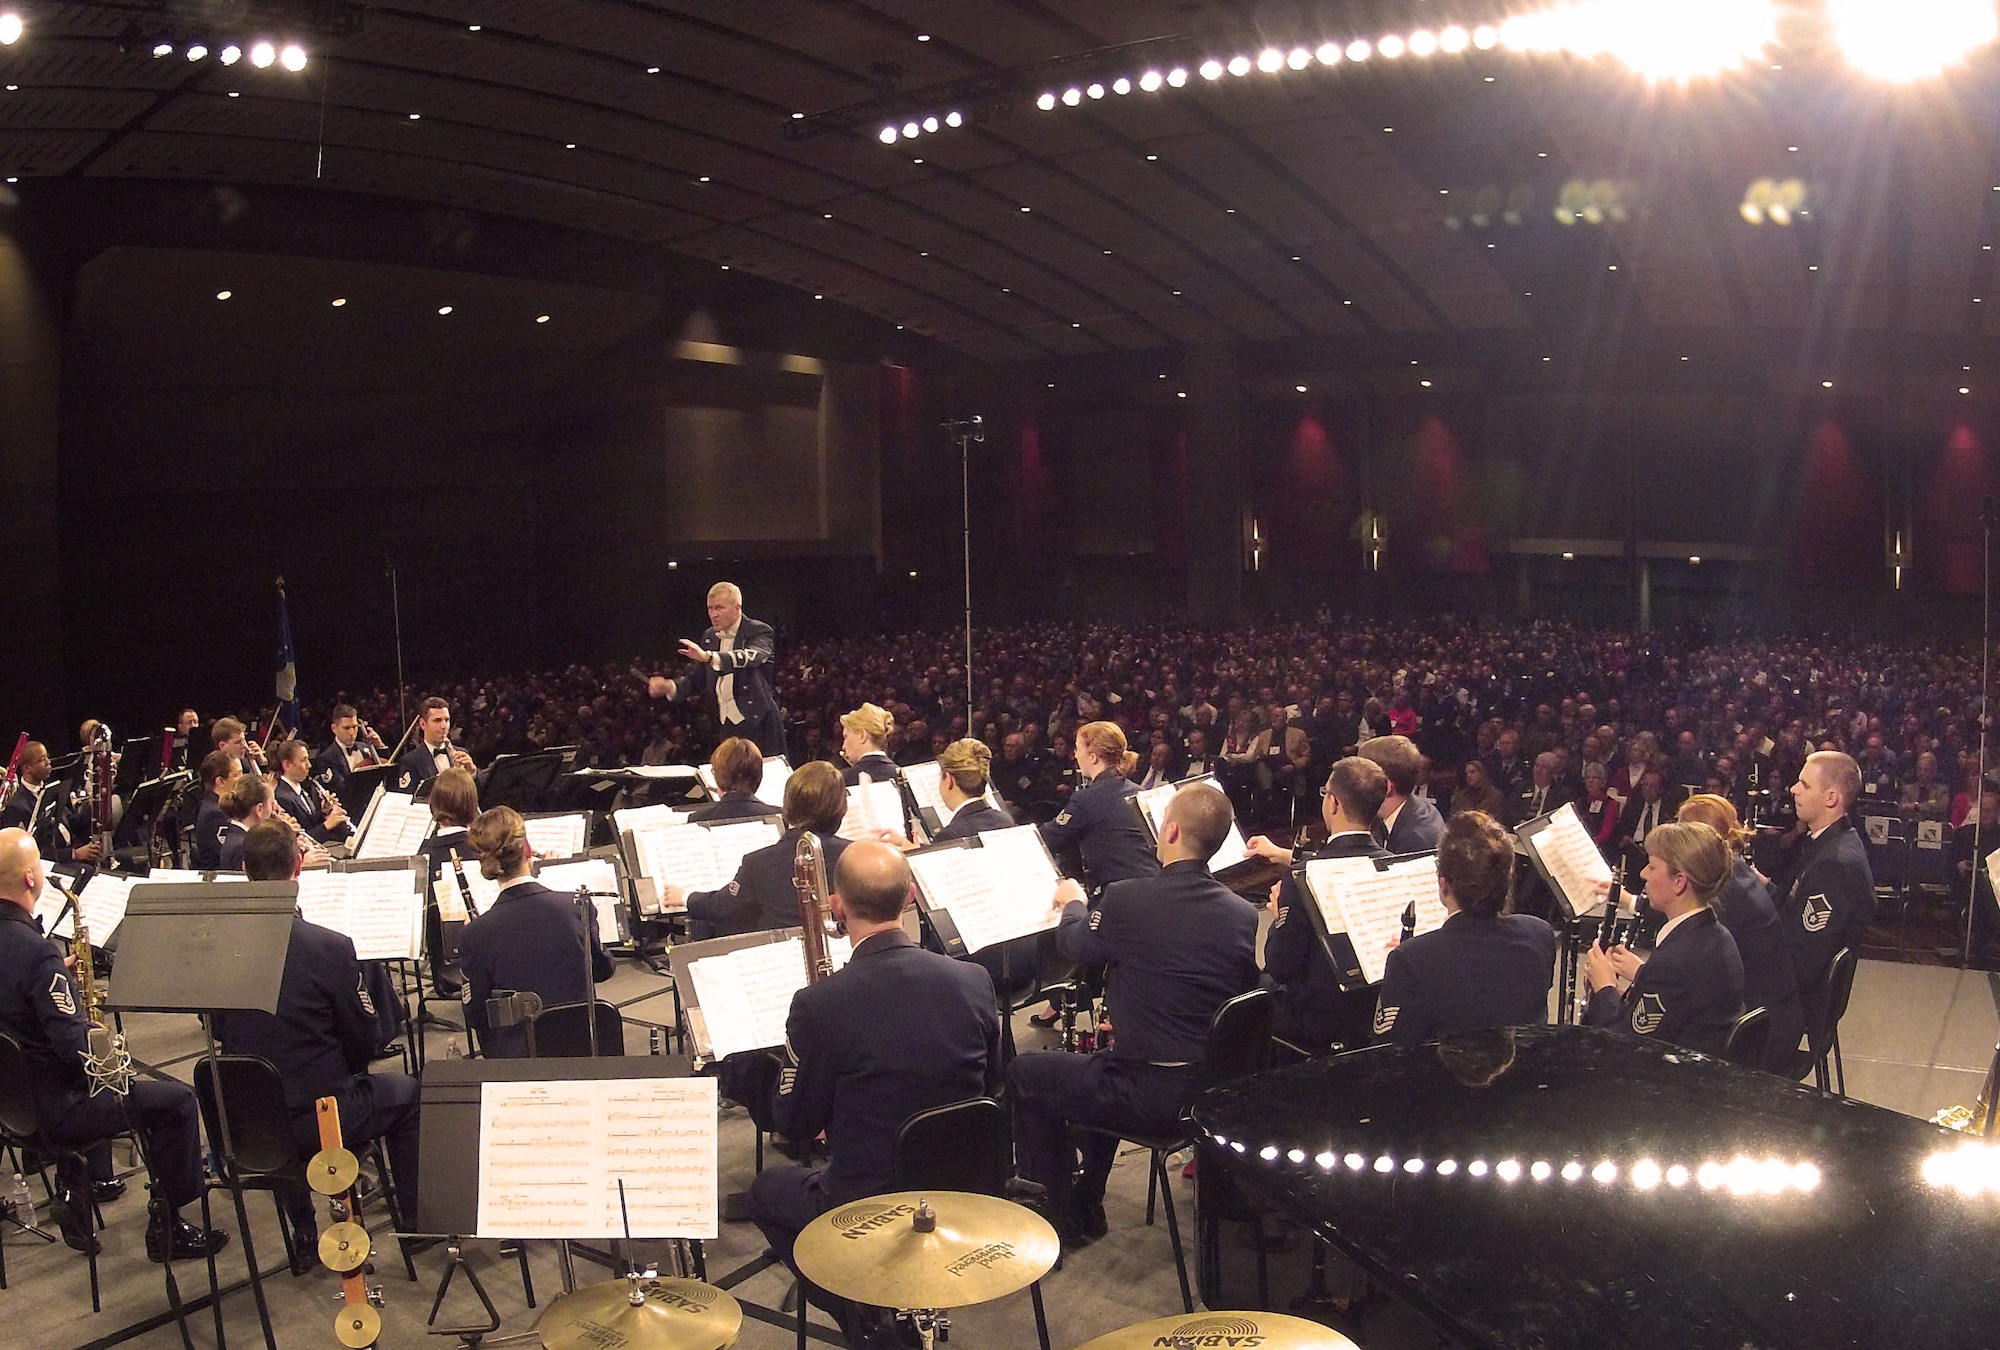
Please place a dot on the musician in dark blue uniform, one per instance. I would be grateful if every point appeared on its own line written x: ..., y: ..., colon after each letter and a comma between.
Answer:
x: 433, y: 752
x: 246, y: 803
x: 323, y: 820
x: 732, y: 673
x: 41, y: 807
x: 1832, y: 895
x: 1408, y: 824
x: 1313, y: 1011
x: 895, y: 1031
x: 760, y: 895
x: 864, y: 744
x: 1486, y: 967
x: 1101, y: 821
x: 1745, y: 907
x: 1690, y: 990
x: 321, y: 1039
x: 454, y: 804
x: 962, y: 785
x: 42, y: 1010
x: 1179, y: 945
x: 348, y: 751
x: 219, y: 769
x: 738, y: 767
x: 531, y: 940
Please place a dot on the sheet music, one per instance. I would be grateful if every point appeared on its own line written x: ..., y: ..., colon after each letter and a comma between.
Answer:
x: 51, y: 901
x: 1155, y: 801
x: 1001, y: 890
x: 746, y: 995
x: 397, y: 828
x: 451, y: 901
x: 1571, y: 859
x: 700, y: 857
x: 668, y: 773
x: 552, y: 1155
x: 777, y: 769
x: 1992, y: 873
x: 1367, y: 903
x: 558, y: 836
x: 102, y: 902
x: 638, y: 817
x: 872, y: 808
x: 602, y: 878
x: 923, y: 781
x: 381, y: 911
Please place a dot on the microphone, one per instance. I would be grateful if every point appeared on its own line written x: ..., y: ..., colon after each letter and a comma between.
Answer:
x: 973, y: 428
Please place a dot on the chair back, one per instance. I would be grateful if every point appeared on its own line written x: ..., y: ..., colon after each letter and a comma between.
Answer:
x: 962, y: 1146
x: 1749, y: 1039
x: 1839, y: 986
x: 1239, y: 1039
x: 260, y: 1141
x: 561, y: 1031
x: 18, y: 1117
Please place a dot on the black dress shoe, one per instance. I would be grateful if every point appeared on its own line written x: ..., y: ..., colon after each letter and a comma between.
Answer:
x: 105, y: 1191
x: 1087, y: 1216
x: 69, y: 1213
x: 305, y: 1249
x: 393, y: 1048
x: 187, y: 1241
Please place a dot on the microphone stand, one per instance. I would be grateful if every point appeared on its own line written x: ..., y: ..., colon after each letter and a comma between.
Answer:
x: 1986, y: 516
x: 966, y: 432
x: 396, y: 613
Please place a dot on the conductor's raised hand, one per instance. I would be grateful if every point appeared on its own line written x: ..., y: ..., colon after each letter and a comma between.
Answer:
x: 694, y: 651
x: 660, y: 687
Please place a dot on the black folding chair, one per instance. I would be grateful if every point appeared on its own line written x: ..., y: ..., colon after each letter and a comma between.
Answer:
x: 21, y: 1127
x: 561, y: 1031
x: 1749, y: 1039
x: 1823, y: 1028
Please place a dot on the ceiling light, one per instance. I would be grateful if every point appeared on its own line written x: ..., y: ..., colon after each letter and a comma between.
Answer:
x: 1423, y: 42
x: 197, y: 51
x: 702, y: 179
x: 1425, y: 383
x: 223, y: 295
x: 230, y: 54
x: 473, y: 27
x: 234, y: 94
x: 1695, y: 559
x: 1454, y: 39
x: 1391, y: 46
x: 1151, y: 158
x: 911, y: 128
x: 1677, y: 40
x: 1180, y: 393
x: 1963, y: 390
x: 167, y: 49
x: 1568, y: 556
x: 652, y: 70
x: 1358, y: 50
x: 923, y: 37
x: 954, y: 118
x: 1026, y: 209
x: 1095, y: 90
x: 444, y: 309
x: 1121, y: 86
x: 262, y: 54
x: 339, y: 302
x: 798, y: 117
x: 1211, y: 69
x: 10, y: 28
x: 293, y: 58
x: 569, y: 145
x: 1826, y: 384
x: 1299, y: 387
x: 930, y: 124
x: 1900, y: 40
x: 1328, y: 53
x: 1270, y: 60
x: 1150, y: 81
x: 1239, y: 66
x: 416, y: 117
x: 1486, y: 37
x: 1072, y: 96
x: 1046, y: 102
x: 1177, y: 76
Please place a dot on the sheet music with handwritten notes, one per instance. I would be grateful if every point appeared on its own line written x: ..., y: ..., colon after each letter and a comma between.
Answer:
x: 601, y: 877
x: 551, y: 1156
x: 1155, y: 800
x: 381, y: 911
x: 700, y: 857
x: 397, y: 828
x: 558, y: 836
x: 1572, y: 860
x: 1001, y: 890
x: 1366, y: 903
x: 871, y: 808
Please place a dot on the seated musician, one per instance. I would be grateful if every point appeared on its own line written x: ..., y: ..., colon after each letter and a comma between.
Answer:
x: 247, y: 803
x: 760, y: 895
x: 895, y: 1031
x: 232, y: 738
x: 738, y: 767
x: 1745, y: 908
x: 1313, y: 1013
x: 1690, y: 990
x: 864, y: 744
x: 41, y: 1010
x: 1486, y: 967
x: 320, y: 1040
x: 531, y: 941
x: 962, y: 784
x: 322, y: 818
x: 219, y: 770
x: 454, y: 804
x: 61, y: 832
x: 1179, y: 944
x: 349, y: 750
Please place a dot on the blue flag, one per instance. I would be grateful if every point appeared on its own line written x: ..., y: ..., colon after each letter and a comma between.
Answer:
x: 288, y: 674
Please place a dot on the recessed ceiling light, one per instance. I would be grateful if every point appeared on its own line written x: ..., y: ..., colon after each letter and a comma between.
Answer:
x: 13, y: 178
x: 1826, y: 384
x: 339, y: 301
x: 1180, y: 393
x: 1347, y: 302
x: 1425, y: 383
x: 234, y: 94
x: 569, y: 145
x: 416, y: 117
x: 916, y: 161
x: 1149, y: 157
x: 827, y: 216
x: 223, y: 295
x: 1076, y: 325
x: 702, y: 179
x: 1812, y: 267
x: 819, y: 297
x: 652, y: 70
x: 1027, y: 208
x: 1963, y: 390
x: 472, y: 28
x: 798, y: 117
x: 541, y: 318
x: 725, y: 267
x: 922, y: 37
x: 1299, y: 388
x: 444, y: 309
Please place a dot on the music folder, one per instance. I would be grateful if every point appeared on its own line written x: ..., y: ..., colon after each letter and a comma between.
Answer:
x: 1359, y: 905
x: 1566, y: 857
x: 1151, y: 804
x: 988, y: 889
x: 667, y: 852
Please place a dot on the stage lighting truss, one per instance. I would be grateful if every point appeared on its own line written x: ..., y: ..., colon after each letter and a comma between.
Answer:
x: 1675, y: 42
x: 264, y: 36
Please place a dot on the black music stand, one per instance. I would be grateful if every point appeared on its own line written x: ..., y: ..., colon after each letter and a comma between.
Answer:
x: 206, y: 947
x: 149, y: 801
x: 525, y: 781
x: 361, y: 785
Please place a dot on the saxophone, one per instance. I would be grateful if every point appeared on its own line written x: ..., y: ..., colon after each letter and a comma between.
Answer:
x: 107, y: 1063
x: 815, y: 917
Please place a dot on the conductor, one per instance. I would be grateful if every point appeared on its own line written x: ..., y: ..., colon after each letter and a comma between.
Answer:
x: 732, y: 672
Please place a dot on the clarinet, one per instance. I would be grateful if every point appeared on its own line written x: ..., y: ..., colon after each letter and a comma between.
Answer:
x: 464, y: 887
x: 1409, y: 922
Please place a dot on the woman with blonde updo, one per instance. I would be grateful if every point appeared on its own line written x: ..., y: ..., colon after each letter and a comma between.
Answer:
x: 1690, y: 991
x: 1745, y: 907
x: 1101, y: 823
x: 864, y: 744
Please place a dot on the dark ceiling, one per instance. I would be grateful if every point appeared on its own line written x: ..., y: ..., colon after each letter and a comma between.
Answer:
x: 1407, y: 200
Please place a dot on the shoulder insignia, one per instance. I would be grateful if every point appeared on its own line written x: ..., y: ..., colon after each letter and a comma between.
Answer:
x: 361, y: 988
x: 1385, y: 1018
x: 787, y: 1080
x: 1096, y: 918
x: 1063, y: 819
x: 60, y: 996
x: 403, y: 780
x: 1283, y: 911
x: 1816, y: 913
x: 735, y: 887
x: 1648, y: 1014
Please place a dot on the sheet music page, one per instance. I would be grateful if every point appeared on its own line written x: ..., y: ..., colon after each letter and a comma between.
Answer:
x: 1992, y: 873
x: 731, y: 842
x: 323, y: 899
x: 551, y: 1155
x: 681, y: 855
x: 1003, y: 889
x: 1372, y: 904
x: 558, y: 836
x: 923, y: 781
x: 602, y: 879
x: 638, y: 817
x: 398, y: 829
x: 771, y: 791
x: 1320, y: 874
x: 385, y: 915
x: 1155, y: 801
x: 451, y: 902
x: 51, y: 901
x: 746, y: 995
x: 102, y: 902
x: 1571, y: 859
x: 872, y: 808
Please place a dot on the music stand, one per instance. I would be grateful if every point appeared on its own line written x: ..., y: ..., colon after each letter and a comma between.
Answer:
x: 149, y: 801
x: 361, y: 784
x: 523, y: 781
x: 201, y: 948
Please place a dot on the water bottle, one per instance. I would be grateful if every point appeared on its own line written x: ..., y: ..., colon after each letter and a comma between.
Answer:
x: 21, y: 1204
x: 453, y: 1050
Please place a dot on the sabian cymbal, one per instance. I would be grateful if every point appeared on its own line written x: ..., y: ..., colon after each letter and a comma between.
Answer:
x: 357, y: 1326
x: 1267, y: 1331
x: 344, y: 1247
x: 332, y: 1170
x: 982, y: 1248
x: 677, y: 1315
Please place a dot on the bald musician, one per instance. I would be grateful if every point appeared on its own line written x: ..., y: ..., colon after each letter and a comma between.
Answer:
x: 732, y: 673
x: 41, y: 1010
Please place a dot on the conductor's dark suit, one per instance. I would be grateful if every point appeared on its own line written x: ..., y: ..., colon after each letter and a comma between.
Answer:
x: 320, y: 1040
x: 1690, y: 991
x: 895, y: 1031
x: 761, y: 894
x: 1473, y: 974
x: 532, y: 939
x: 1313, y: 1012
x: 747, y: 665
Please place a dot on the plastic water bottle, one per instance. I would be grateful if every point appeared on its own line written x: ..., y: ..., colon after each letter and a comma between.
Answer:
x: 21, y: 1204
x: 453, y: 1050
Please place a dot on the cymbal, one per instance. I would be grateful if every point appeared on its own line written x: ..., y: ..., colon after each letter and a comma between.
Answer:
x: 357, y: 1326
x: 982, y: 1248
x: 344, y: 1247
x: 1277, y: 1331
x: 677, y: 1315
x: 332, y: 1170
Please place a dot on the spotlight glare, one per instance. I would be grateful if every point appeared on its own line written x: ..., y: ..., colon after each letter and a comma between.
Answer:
x: 230, y: 54
x: 1662, y: 40
x: 954, y: 118
x: 1096, y: 90
x: 1897, y: 41
x: 293, y: 58
x: 1326, y: 1161
x: 930, y: 124
x: 1423, y: 42
x: 1150, y: 81
x: 1270, y: 60
x: 911, y: 129
x: 1178, y: 76
x: 887, y: 135
x: 1121, y: 86
x: 10, y: 28
x: 1072, y: 96
x: 1454, y: 39
x: 1239, y: 65
x: 1359, y: 50
x: 1299, y: 59
x: 1486, y: 37
x: 1391, y: 46
x: 1211, y: 69
x: 1046, y: 102
x: 197, y: 51
x: 1645, y: 1174
x: 262, y: 54
x: 1572, y: 1171
x: 1328, y: 53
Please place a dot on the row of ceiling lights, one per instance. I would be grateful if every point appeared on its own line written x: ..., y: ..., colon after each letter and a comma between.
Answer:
x: 340, y: 302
